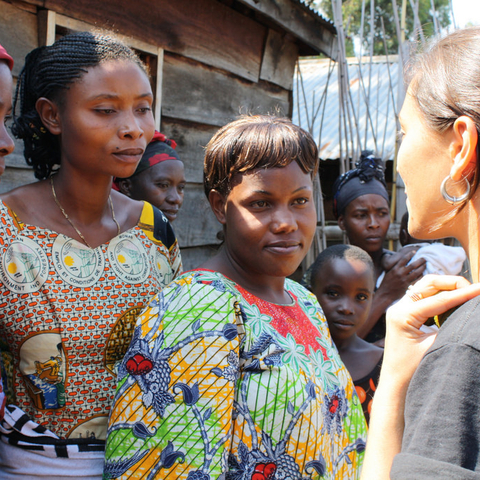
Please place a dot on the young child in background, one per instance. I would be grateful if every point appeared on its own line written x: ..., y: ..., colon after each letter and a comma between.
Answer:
x: 342, y: 279
x: 159, y: 178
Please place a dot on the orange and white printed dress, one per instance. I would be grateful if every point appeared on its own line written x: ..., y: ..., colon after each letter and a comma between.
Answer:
x: 218, y: 383
x: 67, y: 314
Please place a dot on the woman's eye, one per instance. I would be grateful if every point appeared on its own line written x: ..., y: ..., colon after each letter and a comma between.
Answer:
x: 105, y: 111
x: 362, y: 297
x: 144, y: 109
x: 259, y: 204
x: 332, y: 293
x: 181, y: 188
x: 301, y: 201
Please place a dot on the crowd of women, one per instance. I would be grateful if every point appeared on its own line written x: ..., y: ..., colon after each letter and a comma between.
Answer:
x: 117, y: 365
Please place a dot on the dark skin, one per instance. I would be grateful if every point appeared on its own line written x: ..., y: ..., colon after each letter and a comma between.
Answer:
x: 162, y: 185
x: 344, y: 289
x: 104, y: 123
x: 269, y: 220
x: 6, y: 142
x: 366, y: 221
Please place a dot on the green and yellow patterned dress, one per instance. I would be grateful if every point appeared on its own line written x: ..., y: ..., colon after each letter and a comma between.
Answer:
x: 218, y: 383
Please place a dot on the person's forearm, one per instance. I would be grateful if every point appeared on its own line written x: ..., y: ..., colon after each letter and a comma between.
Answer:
x: 385, y: 431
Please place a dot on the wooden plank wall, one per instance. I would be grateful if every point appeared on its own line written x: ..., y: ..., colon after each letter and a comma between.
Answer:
x: 218, y: 64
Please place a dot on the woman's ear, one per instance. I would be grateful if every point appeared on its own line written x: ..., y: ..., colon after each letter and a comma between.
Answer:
x: 125, y: 186
x: 464, y: 148
x: 49, y: 115
x: 217, y: 204
x: 341, y: 223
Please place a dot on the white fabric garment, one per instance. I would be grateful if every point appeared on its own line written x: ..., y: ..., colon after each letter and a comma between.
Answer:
x: 17, y: 463
x: 441, y: 259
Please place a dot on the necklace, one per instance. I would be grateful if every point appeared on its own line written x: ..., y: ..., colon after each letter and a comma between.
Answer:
x: 70, y: 221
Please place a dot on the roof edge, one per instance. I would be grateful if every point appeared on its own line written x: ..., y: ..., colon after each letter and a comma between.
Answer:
x: 317, y: 33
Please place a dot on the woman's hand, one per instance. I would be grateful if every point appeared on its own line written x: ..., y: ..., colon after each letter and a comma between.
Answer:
x: 401, y: 273
x: 406, y: 342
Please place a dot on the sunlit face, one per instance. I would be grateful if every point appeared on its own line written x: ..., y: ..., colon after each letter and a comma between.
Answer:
x: 106, y: 119
x: 365, y: 221
x: 6, y: 142
x: 423, y: 163
x: 344, y: 289
x: 162, y: 185
x: 270, y: 220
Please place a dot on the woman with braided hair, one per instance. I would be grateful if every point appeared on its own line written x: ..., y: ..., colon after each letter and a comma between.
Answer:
x: 361, y: 207
x: 79, y: 261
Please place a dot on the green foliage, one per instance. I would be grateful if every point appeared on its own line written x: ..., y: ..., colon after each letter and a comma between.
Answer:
x: 352, y: 14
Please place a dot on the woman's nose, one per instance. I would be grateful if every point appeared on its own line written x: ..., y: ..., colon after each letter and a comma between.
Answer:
x: 283, y: 220
x: 174, y: 196
x: 6, y: 142
x: 130, y: 127
x: 373, y: 221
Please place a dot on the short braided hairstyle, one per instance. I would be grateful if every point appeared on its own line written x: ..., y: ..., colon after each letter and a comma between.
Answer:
x: 48, y: 72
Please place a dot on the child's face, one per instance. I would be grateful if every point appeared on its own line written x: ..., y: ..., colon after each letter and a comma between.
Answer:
x: 270, y: 219
x: 6, y: 142
x: 344, y: 289
x: 162, y: 185
x: 105, y: 120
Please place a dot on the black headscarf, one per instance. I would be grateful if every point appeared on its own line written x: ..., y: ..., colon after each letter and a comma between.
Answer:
x: 366, y: 178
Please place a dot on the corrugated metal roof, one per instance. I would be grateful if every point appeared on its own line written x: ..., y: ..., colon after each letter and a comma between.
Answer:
x: 317, y: 104
x: 327, y: 22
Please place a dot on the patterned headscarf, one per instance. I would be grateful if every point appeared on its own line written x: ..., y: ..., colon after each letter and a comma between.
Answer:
x: 365, y: 179
x: 158, y: 150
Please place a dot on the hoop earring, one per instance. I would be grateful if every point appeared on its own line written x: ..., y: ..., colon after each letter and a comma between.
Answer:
x: 452, y: 200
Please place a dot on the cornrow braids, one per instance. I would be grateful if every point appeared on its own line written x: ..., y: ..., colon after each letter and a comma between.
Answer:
x: 48, y: 72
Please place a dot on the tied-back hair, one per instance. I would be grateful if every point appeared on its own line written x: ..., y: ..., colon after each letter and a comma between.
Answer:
x: 252, y: 142
x: 342, y: 252
x: 445, y: 82
x: 48, y: 72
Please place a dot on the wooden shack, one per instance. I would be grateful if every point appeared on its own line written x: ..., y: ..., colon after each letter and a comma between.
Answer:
x: 210, y: 60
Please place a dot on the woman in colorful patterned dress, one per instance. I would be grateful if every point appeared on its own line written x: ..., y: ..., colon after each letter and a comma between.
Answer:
x: 232, y: 372
x: 78, y: 262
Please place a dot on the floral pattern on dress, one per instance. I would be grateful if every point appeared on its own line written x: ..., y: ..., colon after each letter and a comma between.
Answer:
x: 210, y: 388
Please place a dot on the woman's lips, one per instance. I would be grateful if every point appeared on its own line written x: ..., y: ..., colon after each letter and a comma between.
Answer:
x: 129, y: 155
x: 284, y: 248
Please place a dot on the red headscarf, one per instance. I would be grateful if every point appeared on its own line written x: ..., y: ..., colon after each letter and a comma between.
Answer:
x: 5, y: 56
